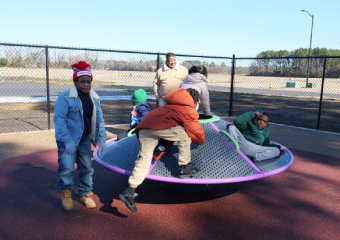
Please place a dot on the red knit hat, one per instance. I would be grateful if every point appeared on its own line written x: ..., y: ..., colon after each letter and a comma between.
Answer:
x: 81, y: 69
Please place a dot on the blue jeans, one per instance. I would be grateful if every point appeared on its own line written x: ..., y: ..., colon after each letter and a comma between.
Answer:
x: 84, y: 165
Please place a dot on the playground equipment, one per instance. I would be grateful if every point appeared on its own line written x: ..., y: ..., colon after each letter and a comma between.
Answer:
x: 219, y: 159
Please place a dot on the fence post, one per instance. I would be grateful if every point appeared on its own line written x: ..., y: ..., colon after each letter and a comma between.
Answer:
x: 157, y: 61
x: 231, y: 97
x: 48, y: 90
x: 321, y: 94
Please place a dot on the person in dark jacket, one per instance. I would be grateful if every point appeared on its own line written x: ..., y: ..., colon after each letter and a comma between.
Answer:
x: 139, y: 110
x: 175, y: 121
x: 251, y: 132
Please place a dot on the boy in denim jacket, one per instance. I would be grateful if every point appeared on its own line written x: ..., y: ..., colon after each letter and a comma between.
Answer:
x: 78, y: 120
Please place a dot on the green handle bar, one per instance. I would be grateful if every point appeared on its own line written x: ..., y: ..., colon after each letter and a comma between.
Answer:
x: 130, y: 133
x: 237, y: 147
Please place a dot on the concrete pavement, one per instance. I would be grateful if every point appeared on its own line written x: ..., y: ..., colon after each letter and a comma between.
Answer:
x: 18, y: 144
x: 14, y: 145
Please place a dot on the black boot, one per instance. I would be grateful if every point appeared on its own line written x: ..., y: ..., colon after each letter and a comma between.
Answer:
x: 187, y: 171
x: 129, y: 200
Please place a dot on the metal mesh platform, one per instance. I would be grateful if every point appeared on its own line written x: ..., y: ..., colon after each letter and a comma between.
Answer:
x: 274, y: 163
x: 121, y: 154
x: 215, y: 158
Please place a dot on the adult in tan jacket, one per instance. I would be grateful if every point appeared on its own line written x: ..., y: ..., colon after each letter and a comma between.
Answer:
x: 168, y: 78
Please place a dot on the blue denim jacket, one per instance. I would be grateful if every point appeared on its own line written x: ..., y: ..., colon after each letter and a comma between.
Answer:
x: 68, y: 118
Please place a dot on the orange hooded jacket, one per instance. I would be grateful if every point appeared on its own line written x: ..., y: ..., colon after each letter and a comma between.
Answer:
x: 179, y: 110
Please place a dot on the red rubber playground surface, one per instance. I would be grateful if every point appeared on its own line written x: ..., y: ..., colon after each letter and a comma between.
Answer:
x: 300, y: 203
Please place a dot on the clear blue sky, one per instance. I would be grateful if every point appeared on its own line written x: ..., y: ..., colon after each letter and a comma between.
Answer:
x: 218, y: 28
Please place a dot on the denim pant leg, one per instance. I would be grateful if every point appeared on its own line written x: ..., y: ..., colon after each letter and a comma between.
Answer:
x: 84, y: 166
x: 66, y: 163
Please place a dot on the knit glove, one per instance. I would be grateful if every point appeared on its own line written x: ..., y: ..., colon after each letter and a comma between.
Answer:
x: 70, y: 147
x: 102, y: 146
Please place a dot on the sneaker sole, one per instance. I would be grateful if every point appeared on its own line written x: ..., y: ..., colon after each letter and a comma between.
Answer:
x: 127, y: 203
x: 87, y: 206
x: 188, y: 176
x: 67, y: 209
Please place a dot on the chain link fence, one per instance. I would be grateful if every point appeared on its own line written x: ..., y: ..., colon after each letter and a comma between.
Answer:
x: 31, y: 78
x: 282, y: 88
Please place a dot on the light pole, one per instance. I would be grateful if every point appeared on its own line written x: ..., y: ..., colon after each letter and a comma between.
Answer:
x: 310, y: 45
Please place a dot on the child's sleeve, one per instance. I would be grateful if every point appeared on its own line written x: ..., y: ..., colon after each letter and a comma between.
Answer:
x: 102, y: 130
x: 241, y: 121
x: 194, y: 130
x: 206, y: 100
x: 268, y: 144
x: 133, y: 124
x: 134, y: 119
x: 156, y: 85
x: 60, y: 116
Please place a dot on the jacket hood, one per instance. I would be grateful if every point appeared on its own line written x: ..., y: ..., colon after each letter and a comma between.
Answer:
x: 195, y: 78
x: 179, y: 96
x: 144, y: 104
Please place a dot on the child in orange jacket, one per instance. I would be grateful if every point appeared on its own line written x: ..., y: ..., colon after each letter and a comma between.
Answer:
x: 175, y: 121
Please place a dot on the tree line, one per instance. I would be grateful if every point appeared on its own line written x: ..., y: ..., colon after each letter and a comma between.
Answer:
x: 20, y: 57
x: 285, y: 65
x: 296, y: 67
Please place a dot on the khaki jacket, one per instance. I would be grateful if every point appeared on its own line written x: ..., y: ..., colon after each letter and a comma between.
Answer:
x: 168, y: 80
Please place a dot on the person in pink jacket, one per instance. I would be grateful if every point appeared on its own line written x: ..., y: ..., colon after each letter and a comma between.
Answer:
x: 197, y: 79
